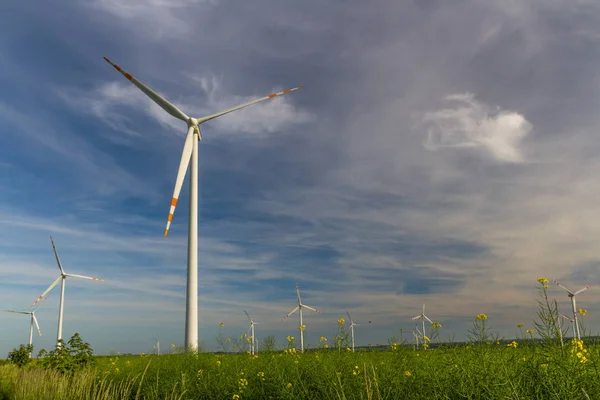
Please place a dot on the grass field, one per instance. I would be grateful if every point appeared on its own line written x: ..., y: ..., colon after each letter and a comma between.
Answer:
x: 487, y: 371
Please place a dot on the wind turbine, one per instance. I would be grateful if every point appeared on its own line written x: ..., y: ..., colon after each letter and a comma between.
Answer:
x: 572, y: 296
x: 416, y: 334
x: 33, y: 320
x: 190, y: 152
x: 299, y: 308
x: 571, y: 320
x: 352, y: 325
x: 422, y: 317
x: 63, y: 279
x: 157, y: 346
x: 251, y: 331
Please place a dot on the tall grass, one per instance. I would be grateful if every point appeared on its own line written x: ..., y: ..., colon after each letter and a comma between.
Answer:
x: 488, y: 371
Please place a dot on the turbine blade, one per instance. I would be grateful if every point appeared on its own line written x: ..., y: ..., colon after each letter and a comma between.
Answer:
x: 350, y: 318
x: 568, y: 291
x: 427, y: 318
x: 62, y: 271
x: 413, y: 318
x: 86, y: 277
x: 313, y: 309
x: 581, y: 290
x: 18, y: 312
x: 248, y: 316
x: 36, y: 324
x: 298, y: 293
x: 47, y: 290
x: 293, y: 311
x: 158, y: 99
x: 183, y: 166
x: 38, y: 306
x: 249, y: 103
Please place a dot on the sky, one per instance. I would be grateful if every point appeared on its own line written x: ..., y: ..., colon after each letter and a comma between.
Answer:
x: 444, y: 152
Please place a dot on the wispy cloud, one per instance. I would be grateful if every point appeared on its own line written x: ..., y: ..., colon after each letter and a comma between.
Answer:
x: 475, y: 125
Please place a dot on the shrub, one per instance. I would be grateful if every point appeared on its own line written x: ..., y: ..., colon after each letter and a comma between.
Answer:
x: 69, y: 357
x: 21, y: 356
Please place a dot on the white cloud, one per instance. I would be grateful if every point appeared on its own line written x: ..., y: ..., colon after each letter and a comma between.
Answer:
x: 499, y: 132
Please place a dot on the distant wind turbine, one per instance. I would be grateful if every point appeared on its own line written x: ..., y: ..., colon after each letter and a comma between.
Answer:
x: 33, y: 320
x: 422, y: 317
x: 352, y: 325
x: 190, y: 152
x: 574, y: 307
x: 299, y: 308
x: 251, y: 331
x: 417, y: 334
x: 63, y: 279
x: 157, y: 346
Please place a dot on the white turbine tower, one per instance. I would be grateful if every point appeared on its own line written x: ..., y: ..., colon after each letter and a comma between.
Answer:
x: 299, y: 308
x: 422, y: 317
x: 352, y: 325
x: 63, y: 279
x: 33, y: 320
x: 251, y: 332
x: 574, y: 307
x: 190, y: 152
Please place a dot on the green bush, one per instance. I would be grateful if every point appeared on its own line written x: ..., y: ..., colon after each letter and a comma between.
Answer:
x: 69, y: 357
x: 20, y: 356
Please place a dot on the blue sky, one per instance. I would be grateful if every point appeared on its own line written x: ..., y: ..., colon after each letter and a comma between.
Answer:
x: 437, y: 152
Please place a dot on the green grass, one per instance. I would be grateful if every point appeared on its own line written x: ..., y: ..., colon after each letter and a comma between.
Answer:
x: 489, y: 371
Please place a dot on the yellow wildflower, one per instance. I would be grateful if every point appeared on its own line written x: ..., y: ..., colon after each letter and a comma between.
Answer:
x: 407, y: 373
x: 341, y: 321
x: 221, y: 324
x: 481, y: 317
x: 290, y: 338
x: 543, y: 281
x: 520, y: 325
x: 235, y: 396
x: 289, y: 386
x: 302, y: 327
x: 228, y: 340
x: 323, y: 339
x: 436, y: 325
x: 218, y: 363
x: 582, y: 312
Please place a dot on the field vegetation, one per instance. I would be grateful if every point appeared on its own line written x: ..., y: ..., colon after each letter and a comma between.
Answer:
x: 540, y: 364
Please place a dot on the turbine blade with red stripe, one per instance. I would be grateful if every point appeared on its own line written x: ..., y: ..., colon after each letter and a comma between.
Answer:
x: 158, y: 99
x: 186, y: 155
x: 249, y: 103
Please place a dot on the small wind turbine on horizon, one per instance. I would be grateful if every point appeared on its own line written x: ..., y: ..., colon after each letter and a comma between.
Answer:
x: 299, y: 308
x: 573, y: 305
x: 157, y: 346
x: 417, y: 334
x: 422, y: 317
x: 251, y: 332
x: 190, y: 152
x: 63, y: 279
x: 352, y: 325
x: 33, y: 320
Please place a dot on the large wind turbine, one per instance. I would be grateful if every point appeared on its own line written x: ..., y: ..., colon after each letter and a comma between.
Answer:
x: 352, y: 325
x: 190, y: 152
x: 251, y: 331
x: 63, y: 279
x: 33, y: 320
x: 299, y: 308
x: 574, y: 307
x: 422, y: 317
